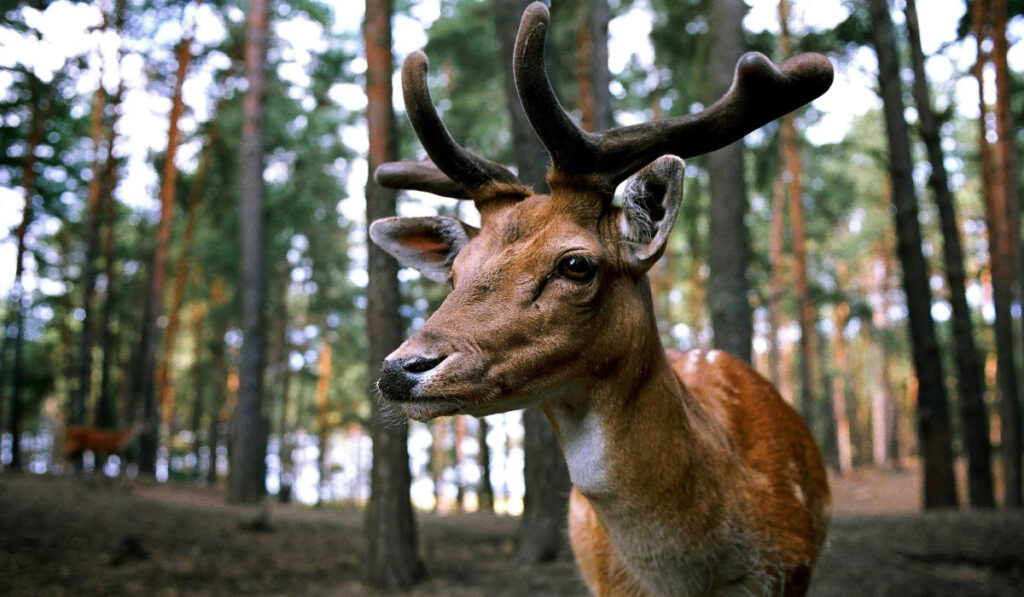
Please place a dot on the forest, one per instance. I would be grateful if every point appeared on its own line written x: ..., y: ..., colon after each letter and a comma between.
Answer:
x: 193, y: 315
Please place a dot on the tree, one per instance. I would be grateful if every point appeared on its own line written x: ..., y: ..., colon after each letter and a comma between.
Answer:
x: 540, y: 535
x: 728, y: 246
x: 249, y: 427
x: 391, y: 560
x: 932, y: 416
x: 974, y: 418
x: 142, y: 383
x: 1002, y: 217
x: 793, y: 179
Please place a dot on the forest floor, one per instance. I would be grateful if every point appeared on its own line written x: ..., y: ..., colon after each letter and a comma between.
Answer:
x: 90, y: 536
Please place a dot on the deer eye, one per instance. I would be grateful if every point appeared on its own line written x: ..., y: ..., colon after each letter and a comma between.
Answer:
x: 578, y: 268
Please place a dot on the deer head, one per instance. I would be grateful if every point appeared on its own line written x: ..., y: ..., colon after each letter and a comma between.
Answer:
x: 550, y: 295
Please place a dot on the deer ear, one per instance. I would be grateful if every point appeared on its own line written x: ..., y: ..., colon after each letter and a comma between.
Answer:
x: 428, y: 244
x: 649, y: 207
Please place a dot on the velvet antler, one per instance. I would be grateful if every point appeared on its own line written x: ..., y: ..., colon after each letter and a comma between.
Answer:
x: 453, y: 171
x: 760, y: 93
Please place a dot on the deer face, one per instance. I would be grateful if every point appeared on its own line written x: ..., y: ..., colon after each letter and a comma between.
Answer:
x: 545, y: 295
x: 550, y: 292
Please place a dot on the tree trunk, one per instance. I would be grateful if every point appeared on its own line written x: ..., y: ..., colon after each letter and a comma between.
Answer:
x: 16, y: 300
x: 198, y: 381
x: 246, y: 483
x: 728, y: 246
x: 592, y: 74
x: 932, y: 416
x: 974, y: 418
x: 148, y: 438
x: 777, y: 281
x: 1000, y: 220
x: 541, y: 535
x: 484, y: 491
x: 164, y: 380
x: 839, y: 361
x: 437, y: 459
x: 392, y: 561
x: 1009, y: 179
x: 458, y: 435
x: 323, y: 382
x: 793, y: 179
x: 92, y: 237
x: 883, y: 399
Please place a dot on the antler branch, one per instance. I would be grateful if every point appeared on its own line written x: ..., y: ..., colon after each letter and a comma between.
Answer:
x: 760, y: 93
x: 455, y: 172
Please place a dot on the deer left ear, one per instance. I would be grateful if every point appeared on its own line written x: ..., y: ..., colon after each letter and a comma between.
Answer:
x: 428, y: 244
x: 649, y: 207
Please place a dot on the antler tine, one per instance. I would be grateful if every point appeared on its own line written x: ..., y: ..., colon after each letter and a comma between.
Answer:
x: 760, y: 93
x: 478, y: 178
x: 571, y: 148
x: 419, y: 176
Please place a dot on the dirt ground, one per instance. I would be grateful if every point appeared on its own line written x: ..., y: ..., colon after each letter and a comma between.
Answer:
x: 75, y: 536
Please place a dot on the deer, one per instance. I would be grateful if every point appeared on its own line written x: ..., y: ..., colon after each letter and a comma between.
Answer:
x: 79, y: 439
x: 691, y: 474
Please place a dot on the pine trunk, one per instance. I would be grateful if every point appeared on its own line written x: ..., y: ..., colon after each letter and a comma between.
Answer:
x: 840, y: 416
x: 777, y: 281
x: 164, y: 379
x: 16, y: 300
x: 592, y: 74
x: 392, y: 560
x: 793, y: 179
x: 92, y: 237
x: 246, y: 483
x: 106, y: 409
x: 484, y: 491
x: 728, y: 245
x: 148, y: 438
x: 974, y: 418
x: 540, y: 536
x: 1009, y: 178
x: 323, y: 382
x: 932, y: 415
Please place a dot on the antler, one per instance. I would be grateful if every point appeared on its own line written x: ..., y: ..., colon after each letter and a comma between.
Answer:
x: 453, y: 171
x: 760, y: 93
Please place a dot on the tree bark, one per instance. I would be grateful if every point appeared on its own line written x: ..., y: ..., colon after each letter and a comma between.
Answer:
x: 92, y: 237
x: 1001, y: 218
x: 592, y: 74
x: 540, y: 536
x: 1006, y: 152
x: 106, y: 409
x: 974, y: 418
x: 148, y: 438
x: 728, y: 244
x: 793, y: 179
x: 246, y: 483
x: 198, y: 381
x: 777, y: 281
x: 932, y: 416
x: 392, y: 560
x: 484, y: 490
x: 323, y: 382
x: 164, y: 379
x: 839, y: 360
x: 16, y: 300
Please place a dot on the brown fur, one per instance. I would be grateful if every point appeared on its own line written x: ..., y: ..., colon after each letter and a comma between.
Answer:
x: 79, y: 439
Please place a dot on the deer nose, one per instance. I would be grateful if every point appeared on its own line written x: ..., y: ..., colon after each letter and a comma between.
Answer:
x: 398, y: 377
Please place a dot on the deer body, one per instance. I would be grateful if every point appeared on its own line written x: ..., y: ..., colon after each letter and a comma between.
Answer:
x: 79, y: 439
x: 703, y: 487
x: 691, y: 475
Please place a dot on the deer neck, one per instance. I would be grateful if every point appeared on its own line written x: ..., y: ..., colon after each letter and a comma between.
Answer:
x: 654, y: 466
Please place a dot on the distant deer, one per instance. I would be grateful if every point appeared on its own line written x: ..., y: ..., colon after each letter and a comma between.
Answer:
x: 79, y: 439
x: 691, y: 474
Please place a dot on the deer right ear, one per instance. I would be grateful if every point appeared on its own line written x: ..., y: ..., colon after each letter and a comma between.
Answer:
x: 427, y: 244
x: 649, y: 206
